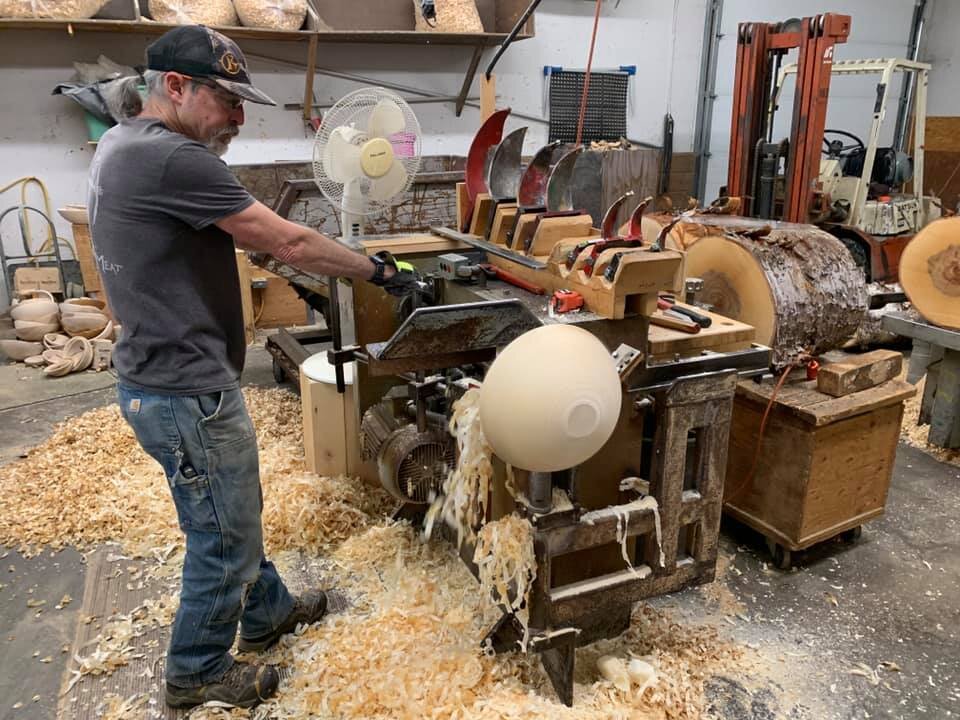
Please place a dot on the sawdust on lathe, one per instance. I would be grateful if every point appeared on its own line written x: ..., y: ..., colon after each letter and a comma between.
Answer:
x: 916, y: 435
x: 91, y: 483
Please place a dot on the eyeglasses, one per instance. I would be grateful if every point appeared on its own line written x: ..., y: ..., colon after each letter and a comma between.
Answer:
x: 227, y: 98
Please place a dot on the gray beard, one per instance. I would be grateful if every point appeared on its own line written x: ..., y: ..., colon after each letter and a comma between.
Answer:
x: 220, y: 143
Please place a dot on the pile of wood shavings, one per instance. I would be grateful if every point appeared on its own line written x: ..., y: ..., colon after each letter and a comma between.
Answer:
x: 504, y: 557
x: 412, y: 650
x: 90, y: 482
x: 916, y: 435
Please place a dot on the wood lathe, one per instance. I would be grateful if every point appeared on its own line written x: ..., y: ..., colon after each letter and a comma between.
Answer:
x: 639, y: 517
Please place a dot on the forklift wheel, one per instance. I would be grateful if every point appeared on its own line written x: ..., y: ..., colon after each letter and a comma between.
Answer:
x: 782, y: 557
x: 853, y: 534
x: 279, y: 374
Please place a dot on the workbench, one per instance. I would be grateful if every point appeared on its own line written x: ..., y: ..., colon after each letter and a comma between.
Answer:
x: 936, y: 352
x: 823, y: 465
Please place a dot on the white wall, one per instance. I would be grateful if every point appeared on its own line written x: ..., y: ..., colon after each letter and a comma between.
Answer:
x: 879, y: 28
x: 45, y: 136
x: 939, y: 48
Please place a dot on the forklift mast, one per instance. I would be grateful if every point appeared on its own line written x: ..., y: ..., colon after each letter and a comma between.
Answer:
x: 761, y: 48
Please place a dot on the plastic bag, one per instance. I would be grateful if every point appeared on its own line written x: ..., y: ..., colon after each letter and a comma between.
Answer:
x: 57, y: 9
x: 110, y: 101
x: 272, y: 14
x: 193, y: 12
x: 453, y: 16
x: 103, y: 69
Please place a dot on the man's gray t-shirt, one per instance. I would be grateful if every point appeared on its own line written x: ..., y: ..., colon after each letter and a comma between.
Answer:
x: 169, y: 272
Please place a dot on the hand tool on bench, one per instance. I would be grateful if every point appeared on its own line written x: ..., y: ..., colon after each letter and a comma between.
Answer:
x: 506, y: 169
x: 701, y: 320
x: 564, y: 301
x: 508, y: 277
x: 674, y: 322
x: 475, y: 176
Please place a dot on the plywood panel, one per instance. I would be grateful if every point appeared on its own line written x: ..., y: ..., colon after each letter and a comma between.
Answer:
x: 942, y: 133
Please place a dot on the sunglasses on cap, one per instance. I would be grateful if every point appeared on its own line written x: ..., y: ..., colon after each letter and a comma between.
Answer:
x: 227, y: 98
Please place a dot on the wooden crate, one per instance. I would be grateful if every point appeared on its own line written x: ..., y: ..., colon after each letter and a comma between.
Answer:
x: 824, y: 464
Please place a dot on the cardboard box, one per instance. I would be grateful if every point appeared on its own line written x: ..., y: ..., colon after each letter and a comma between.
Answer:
x: 42, y: 278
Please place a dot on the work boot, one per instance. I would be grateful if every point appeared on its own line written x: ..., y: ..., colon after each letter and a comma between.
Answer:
x: 244, y: 685
x: 307, y: 609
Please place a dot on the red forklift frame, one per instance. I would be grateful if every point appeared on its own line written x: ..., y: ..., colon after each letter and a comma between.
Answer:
x: 760, y: 50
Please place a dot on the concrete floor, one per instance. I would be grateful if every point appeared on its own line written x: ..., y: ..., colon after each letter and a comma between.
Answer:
x: 893, y: 596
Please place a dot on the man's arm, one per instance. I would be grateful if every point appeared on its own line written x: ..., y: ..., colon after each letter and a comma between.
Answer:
x: 259, y: 229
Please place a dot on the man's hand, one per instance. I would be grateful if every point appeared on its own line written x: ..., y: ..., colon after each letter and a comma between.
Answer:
x: 397, y: 277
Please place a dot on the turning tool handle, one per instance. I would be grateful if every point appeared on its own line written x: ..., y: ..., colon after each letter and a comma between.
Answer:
x: 699, y: 319
x: 509, y: 277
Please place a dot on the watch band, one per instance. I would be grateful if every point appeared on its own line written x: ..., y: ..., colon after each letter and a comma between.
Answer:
x: 378, y: 272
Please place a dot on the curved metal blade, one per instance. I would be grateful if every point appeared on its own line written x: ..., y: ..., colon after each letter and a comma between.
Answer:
x: 608, y: 228
x: 636, y: 219
x: 503, y: 180
x: 487, y: 136
x: 560, y: 185
x: 533, y: 184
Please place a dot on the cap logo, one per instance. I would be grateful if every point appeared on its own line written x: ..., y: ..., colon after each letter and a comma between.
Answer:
x: 229, y: 63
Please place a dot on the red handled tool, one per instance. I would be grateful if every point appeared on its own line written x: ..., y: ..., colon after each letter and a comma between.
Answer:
x: 508, y: 277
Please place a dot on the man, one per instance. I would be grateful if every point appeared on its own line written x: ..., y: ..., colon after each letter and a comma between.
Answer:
x: 166, y: 214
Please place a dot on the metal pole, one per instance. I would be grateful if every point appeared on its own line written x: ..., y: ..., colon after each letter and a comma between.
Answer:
x: 909, y: 78
x: 512, y: 36
x: 706, y: 96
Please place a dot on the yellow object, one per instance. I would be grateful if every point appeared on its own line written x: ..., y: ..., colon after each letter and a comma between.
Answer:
x: 551, y: 399
x: 376, y: 157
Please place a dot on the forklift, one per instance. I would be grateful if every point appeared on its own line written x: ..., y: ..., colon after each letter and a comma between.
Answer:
x: 869, y: 197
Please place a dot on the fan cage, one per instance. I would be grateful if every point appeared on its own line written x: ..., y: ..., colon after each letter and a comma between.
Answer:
x: 354, y: 111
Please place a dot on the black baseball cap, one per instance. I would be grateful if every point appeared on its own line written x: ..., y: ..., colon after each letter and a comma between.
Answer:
x: 199, y: 51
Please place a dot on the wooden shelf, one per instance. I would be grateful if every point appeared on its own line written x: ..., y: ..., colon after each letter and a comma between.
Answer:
x: 311, y: 34
x: 149, y: 27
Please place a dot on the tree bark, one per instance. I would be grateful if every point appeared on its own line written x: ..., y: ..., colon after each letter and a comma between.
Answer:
x: 796, y: 284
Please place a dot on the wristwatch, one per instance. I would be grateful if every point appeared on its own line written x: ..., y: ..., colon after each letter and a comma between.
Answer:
x: 380, y: 268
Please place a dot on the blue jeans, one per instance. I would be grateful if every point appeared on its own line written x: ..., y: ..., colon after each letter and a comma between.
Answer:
x: 208, y: 450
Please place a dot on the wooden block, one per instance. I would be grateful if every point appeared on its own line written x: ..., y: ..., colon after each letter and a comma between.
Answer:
x: 246, y: 296
x: 330, y: 432
x: 859, y: 372
x: 552, y: 230
x: 463, y: 205
x: 723, y: 333
x: 37, y: 278
x: 502, y: 222
x: 412, y: 244
x: 481, y: 214
x: 488, y: 96
x: 523, y: 230
x: 86, y: 259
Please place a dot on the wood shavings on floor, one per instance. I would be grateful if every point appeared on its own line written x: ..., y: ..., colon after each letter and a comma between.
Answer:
x: 90, y: 482
x: 916, y: 435
x: 409, y: 643
x: 412, y: 650
x: 116, y: 646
